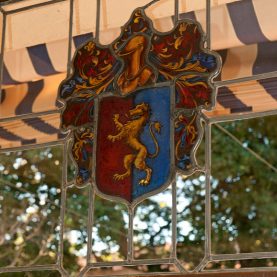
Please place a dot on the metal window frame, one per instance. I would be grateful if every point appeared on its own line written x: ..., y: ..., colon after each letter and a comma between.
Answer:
x: 65, y: 143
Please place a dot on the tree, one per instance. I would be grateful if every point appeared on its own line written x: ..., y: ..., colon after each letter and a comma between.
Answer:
x: 244, y: 208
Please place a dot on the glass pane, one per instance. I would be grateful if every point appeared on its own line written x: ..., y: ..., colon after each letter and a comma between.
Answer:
x: 244, y: 207
x: 152, y: 227
x: 30, y: 206
x: 109, y: 231
x: 191, y: 220
x: 75, y: 229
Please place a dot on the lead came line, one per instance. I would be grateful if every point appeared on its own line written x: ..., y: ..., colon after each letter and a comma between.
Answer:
x: 252, y: 152
x: 208, y: 190
x: 90, y: 221
x: 70, y: 31
x: 97, y: 26
x: 176, y: 11
x: 208, y: 256
x: 130, y: 242
x: 2, y: 50
x: 208, y: 23
x: 174, y: 221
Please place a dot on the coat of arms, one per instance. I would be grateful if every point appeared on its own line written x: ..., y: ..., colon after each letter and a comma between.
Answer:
x: 134, y: 107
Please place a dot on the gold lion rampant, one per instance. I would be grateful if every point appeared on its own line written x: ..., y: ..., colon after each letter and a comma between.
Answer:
x: 130, y: 132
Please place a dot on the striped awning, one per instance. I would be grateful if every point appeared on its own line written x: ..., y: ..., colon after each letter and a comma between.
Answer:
x: 243, y: 32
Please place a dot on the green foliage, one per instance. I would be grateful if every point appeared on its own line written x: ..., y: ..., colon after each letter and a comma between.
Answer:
x: 244, y: 207
x: 30, y: 200
x: 245, y: 210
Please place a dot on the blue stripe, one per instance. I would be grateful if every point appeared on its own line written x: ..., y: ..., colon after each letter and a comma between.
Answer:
x: 7, y: 135
x: 188, y: 15
x: 223, y: 53
x: 41, y: 60
x: 270, y: 86
x: 266, y: 61
x: 58, y: 104
x: 228, y: 100
x: 245, y: 22
x: 2, y: 96
x: 61, y: 135
x: 34, y: 89
x: 41, y: 126
x: 79, y: 40
x: 7, y: 79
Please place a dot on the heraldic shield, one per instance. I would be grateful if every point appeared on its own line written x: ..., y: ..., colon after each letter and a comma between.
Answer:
x: 133, y: 153
x: 133, y: 108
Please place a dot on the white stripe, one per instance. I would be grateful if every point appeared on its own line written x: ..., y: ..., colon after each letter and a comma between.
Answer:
x: 58, y: 52
x: 254, y: 95
x: 266, y: 14
x: 222, y: 31
x: 46, y: 100
x: 163, y: 24
x: 19, y: 128
x: 21, y: 69
x: 218, y: 110
x: 20, y: 66
x: 37, y: 26
x: 23, y: 130
x: 14, y: 96
x: 239, y: 62
x: 108, y: 36
x: 8, y: 144
x: 189, y: 5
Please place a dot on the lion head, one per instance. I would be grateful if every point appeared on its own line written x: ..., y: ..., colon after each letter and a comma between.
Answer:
x: 139, y: 110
